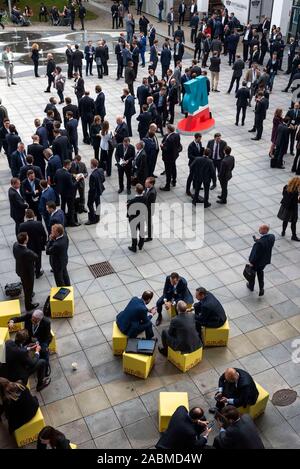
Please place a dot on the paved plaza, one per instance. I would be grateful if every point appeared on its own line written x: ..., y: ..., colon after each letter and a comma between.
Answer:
x: 98, y: 405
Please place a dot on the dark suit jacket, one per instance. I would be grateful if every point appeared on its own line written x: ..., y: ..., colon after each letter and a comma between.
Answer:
x: 100, y: 105
x: 65, y: 183
x: 70, y: 107
x: 79, y: 88
x: 226, y: 168
x: 261, y: 252
x: 36, y: 169
x: 57, y: 218
x: 36, y: 150
x: 291, y: 114
x: 43, y: 134
x: 242, y: 434
x: 60, y: 147
x: 16, y: 163
x: 71, y: 128
x: 144, y: 120
x: 170, y: 148
x: 180, y: 293
x: 238, y: 68
x: 54, y: 163
x: 25, y: 260
x: 209, y: 312
x: 242, y: 97
x: 27, y: 192
x: 87, y: 52
x: 18, y: 362
x: 96, y: 181
x: 36, y: 233
x: 129, y: 109
x: 77, y: 58
x: 121, y: 132
x: 12, y: 141
x: 165, y: 57
x: 17, y: 205
x: 244, y: 392
x: 150, y: 196
x: 46, y: 196
x: 43, y: 333
x: 182, y: 334
x: 193, y: 151
x: 203, y: 171
x: 182, y: 433
x: 58, y: 252
x: 222, y: 145
x: 135, y: 313
x: 20, y: 411
x: 215, y: 64
x: 173, y: 95
x: 142, y: 93
x: 87, y: 108
x: 130, y: 154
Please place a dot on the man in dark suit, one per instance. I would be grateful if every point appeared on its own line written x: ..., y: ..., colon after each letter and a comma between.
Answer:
x: 17, y: 160
x: 19, y: 363
x: 225, y: 174
x: 89, y: 52
x: 187, y: 430
x: 259, y: 116
x: 129, y: 109
x: 150, y: 198
x: 151, y: 148
x: 142, y: 92
x: 78, y: 167
x: 178, y: 51
x: 47, y: 194
x: 124, y: 155
x: 96, y: 189
x: 294, y: 119
x: 232, y: 44
x: 56, y: 215
x: 130, y: 77
x: 42, y: 133
x: 137, y: 215
x: 36, y: 151
x: 17, y: 203
x: 144, y: 120
x: 100, y: 103
x: 39, y: 329
x: 57, y: 249
x: 4, y: 130
x: 50, y: 72
x: 71, y: 128
x: 69, y: 107
x: 208, y: 310
x: 260, y: 256
x: 247, y: 37
x: 217, y: 149
x: 136, y: 317
x: 12, y: 139
x: 182, y: 335
x: 54, y: 163
x: 170, y: 151
x: 237, y: 388
x: 25, y: 266
x: 69, y: 55
x: 66, y: 186
x: 30, y: 166
x: 172, y: 99
x: 121, y: 130
x: 195, y: 149
x: 181, y: 12
x: 30, y: 190
x: 165, y: 60
x: 86, y: 112
x: 61, y: 146
x: 203, y: 172
x: 78, y: 86
x: 37, y: 238
x: 77, y: 60
x: 242, y: 102
x: 282, y: 142
x: 237, y: 68
x: 239, y: 433
x: 175, y: 289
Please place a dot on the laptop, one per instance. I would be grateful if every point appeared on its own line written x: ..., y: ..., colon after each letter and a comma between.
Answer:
x: 61, y: 294
x: 142, y: 346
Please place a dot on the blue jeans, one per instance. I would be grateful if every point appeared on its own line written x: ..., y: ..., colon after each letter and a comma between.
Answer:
x: 142, y: 52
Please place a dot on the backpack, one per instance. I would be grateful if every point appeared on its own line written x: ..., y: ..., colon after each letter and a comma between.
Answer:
x: 13, y: 289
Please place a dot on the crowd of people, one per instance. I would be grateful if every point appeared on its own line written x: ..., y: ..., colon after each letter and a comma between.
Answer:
x: 48, y: 180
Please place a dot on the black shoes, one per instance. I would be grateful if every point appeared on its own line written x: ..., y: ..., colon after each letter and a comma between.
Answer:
x: 132, y: 249
x: 213, y: 187
x: 74, y: 224
x: 41, y: 272
x: 147, y: 240
x: 207, y: 205
x: 33, y: 306
x: 174, y: 183
x: 120, y: 191
x: 163, y: 173
x: 295, y: 238
x: 252, y: 130
x: 165, y: 188
x: 44, y: 384
x: 163, y: 351
x: 250, y: 288
x: 89, y: 222
x: 283, y: 233
x: 221, y: 201
x: 262, y: 291
x: 128, y: 191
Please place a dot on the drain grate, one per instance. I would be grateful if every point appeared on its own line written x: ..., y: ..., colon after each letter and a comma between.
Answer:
x: 101, y: 269
x: 284, y: 397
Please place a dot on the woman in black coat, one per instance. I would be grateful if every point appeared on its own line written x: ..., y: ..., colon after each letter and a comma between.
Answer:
x: 17, y: 403
x: 50, y: 438
x: 288, y: 211
x: 35, y: 58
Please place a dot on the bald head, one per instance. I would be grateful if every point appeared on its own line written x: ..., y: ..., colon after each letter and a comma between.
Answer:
x: 181, y: 306
x: 264, y: 229
x: 231, y: 375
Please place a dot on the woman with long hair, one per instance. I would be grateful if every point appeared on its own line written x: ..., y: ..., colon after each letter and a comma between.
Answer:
x: 35, y: 58
x: 288, y: 211
x: 105, y: 146
x: 277, y: 119
x: 17, y: 403
x: 59, y: 84
x: 95, y: 135
x: 50, y: 438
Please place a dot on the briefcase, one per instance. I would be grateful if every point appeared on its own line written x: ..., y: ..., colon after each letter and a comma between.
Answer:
x: 13, y: 289
x: 249, y: 272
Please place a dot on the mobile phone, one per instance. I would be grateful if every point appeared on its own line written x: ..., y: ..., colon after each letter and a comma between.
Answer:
x: 254, y: 238
x: 211, y: 424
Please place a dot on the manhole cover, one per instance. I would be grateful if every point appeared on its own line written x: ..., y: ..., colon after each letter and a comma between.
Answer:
x: 284, y: 397
x: 101, y: 269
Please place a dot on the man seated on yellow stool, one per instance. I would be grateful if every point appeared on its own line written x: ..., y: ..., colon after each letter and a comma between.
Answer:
x: 208, y: 311
x: 237, y: 388
x: 186, y: 430
x: 136, y: 317
x: 39, y: 331
x: 182, y: 335
x: 175, y: 289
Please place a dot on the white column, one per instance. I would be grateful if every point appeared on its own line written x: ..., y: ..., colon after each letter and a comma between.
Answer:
x: 281, y: 14
x: 202, y: 5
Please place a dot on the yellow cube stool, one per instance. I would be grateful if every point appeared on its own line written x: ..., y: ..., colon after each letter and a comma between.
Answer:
x: 52, y: 345
x: 4, y: 336
x: 62, y: 308
x: 260, y: 405
x: 168, y: 403
x: 137, y: 364
x: 185, y: 361
x: 119, y: 340
x: 28, y: 433
x: 73, y: 446
x: 8, y: 310
x: 216, y: 337
x: 172, y: 311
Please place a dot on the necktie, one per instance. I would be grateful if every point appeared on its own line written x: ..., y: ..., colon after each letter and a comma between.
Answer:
x: 23, y: 159
x: 198, y: 147
x: 216, y: 152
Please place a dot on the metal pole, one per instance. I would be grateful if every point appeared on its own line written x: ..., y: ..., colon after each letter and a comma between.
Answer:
x: 9, y: 7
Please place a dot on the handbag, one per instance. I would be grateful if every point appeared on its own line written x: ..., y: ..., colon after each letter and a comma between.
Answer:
x: 13, y: 289
x: 46, y: 308
x: 249, y: 272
